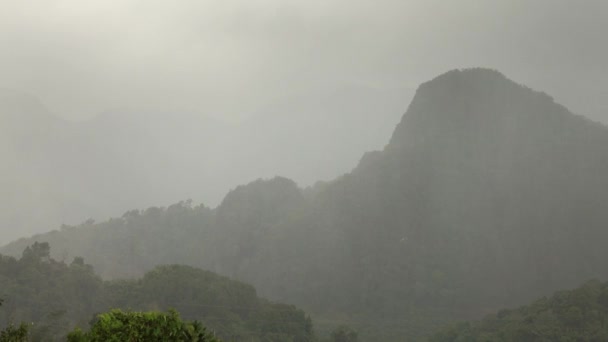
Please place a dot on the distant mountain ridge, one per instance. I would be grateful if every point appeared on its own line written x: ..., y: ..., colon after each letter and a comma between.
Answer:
x: 488, y: 194
x: 73, y: 171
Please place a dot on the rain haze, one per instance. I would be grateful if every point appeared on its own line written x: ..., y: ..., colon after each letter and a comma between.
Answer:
x: 233, y: 60
x: 228, y: 59
x: 420, y: 149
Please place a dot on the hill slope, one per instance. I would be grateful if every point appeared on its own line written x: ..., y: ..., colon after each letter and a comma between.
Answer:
x: 55, y: 297
x: 576, y: 315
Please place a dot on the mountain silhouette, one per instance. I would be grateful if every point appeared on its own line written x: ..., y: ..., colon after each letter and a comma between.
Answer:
x: 488, y: 194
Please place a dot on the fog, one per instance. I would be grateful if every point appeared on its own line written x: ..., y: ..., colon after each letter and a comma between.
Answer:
x: 229, y: 59
x: 151, y: 68
x: 314, y: 171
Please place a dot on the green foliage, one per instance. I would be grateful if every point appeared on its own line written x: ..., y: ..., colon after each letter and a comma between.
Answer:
x: 232, y: 309
x: 57, y: 297
x: 12, y: 333
x: 53, y: 295
x: 15, y: 334
x: 118, y: 326
x: 576, y: 315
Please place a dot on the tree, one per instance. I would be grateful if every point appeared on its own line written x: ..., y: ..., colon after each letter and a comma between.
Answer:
x: 13, y: 333
x: 55, y: 297
x: 344, y: 334
x: 116, y: 326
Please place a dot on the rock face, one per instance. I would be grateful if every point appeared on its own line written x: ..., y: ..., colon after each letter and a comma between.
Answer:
x: 505, y: 190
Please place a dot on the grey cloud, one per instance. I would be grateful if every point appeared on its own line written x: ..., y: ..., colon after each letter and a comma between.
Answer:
x: 83, y: 58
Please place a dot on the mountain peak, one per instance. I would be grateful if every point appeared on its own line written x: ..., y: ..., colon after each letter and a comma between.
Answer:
x: 470, y: 75
x: 475, y: 82
x: 459, y: 103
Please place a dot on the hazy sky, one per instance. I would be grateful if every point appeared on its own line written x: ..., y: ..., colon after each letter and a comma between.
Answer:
x: 228, y: 58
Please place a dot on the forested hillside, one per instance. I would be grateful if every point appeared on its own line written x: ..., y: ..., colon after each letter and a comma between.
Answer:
x: 575, y: 315
x: 56, y: 297
x: 488, y: 194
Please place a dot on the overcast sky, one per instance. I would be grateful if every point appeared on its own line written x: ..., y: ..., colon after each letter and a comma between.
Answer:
x: 228, y: 58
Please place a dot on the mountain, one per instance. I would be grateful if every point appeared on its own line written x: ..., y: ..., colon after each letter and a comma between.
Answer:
x: 488, y: 194
x: 63, y: 172
x: 489, y: 179
x: 575, y: 315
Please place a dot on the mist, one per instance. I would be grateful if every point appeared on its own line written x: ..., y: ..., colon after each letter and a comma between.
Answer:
x: 230, y: 59
x: 235, y: 62
x: 368, y: 162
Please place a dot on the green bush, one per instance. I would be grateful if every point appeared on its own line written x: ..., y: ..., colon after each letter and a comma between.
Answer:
x: 119, y: 326
x: 13, y: 333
